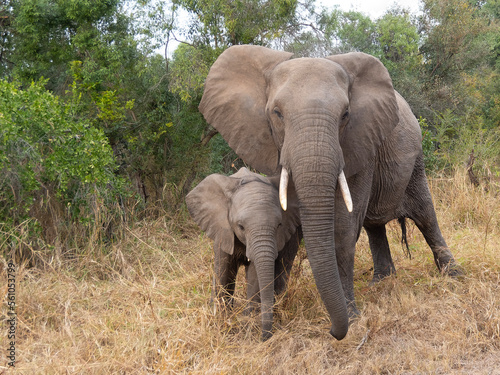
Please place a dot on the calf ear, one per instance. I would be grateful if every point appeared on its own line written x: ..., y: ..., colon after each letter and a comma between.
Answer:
x: 208, y: 203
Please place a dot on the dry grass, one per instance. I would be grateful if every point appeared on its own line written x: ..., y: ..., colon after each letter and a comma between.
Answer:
x: 144, y: 307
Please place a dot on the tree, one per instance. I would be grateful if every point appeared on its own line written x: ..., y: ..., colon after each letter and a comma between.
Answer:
x: 453, y: 29
x: 214, y: 26
x: 460, y: 80
x: 336, y: 31
x: 398, y: 40
x: 6, y: 35
x: 49, y: 34
x: 222, y: 23
x: 356, y: 32
x: 398, y: 43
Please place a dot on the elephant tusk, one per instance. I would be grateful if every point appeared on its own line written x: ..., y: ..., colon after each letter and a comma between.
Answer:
x: 283, y: 188
x: 344, y: 188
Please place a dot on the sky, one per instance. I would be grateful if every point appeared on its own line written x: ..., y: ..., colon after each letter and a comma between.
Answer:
x: 373, y: 8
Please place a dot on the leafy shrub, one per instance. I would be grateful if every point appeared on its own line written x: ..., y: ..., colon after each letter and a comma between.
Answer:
x: 428, y: 146
x: 461, y: 135
x: 50, y: 162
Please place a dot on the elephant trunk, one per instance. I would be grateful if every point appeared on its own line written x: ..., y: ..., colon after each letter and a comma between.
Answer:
x: 315, y: 166
x: 264, y: 254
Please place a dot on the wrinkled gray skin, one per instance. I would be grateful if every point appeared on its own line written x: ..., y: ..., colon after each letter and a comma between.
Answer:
x: 242, y: 214
x: 316, y: 117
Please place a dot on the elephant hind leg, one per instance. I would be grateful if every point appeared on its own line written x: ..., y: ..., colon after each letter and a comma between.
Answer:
x: 419, y: 208
x: 383, y: 265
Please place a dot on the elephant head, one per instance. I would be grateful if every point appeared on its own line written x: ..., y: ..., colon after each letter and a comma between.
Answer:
x: 246, y: 206
x: 317, y: 119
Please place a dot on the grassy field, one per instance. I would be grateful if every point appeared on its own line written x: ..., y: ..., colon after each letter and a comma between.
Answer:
x: 142, y: 306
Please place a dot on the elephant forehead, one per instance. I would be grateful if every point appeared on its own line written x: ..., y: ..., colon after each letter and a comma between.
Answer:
x: 256, y: 193
x: 256, y: 200
x: 311, y: 70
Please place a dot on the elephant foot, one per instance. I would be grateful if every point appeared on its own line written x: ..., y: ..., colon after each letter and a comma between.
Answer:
x: 452, y: 269
x: 251, y: 308
x: 266, y: 335
x: 379, y: 277
x: 446, y: 263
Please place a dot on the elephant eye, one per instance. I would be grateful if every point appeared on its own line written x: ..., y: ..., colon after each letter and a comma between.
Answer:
x: 278, y: 113
x: 346, y: 114
x: 241, y: 227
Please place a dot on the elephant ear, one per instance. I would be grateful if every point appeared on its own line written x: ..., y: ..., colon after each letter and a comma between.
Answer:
x: 290, y: 218
x: 373, y: 109
x: 208, y: 204
x: 234, y: 103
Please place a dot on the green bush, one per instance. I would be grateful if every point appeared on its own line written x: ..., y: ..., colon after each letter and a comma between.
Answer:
x: 51, y: 163
x: 461, y: 135
x: 428, y: 146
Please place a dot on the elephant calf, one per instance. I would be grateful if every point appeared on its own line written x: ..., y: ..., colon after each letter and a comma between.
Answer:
x: 242, y: 214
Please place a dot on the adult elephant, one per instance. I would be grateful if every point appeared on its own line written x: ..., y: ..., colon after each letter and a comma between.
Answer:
x: 322, y: 121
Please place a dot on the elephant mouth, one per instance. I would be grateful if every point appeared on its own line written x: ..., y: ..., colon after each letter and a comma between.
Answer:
x: 344, y: 188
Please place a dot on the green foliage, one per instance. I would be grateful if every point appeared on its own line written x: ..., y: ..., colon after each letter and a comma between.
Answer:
x: 6, y: 36
x: 459, y: 138
x: 154, y: 24
x: 356, y: 32
x: 107, y: 109
x: 347, y: 31
x: 428, y: 146
x: 454, y: 29
x: 50, y: 33
x: 223, y: 159
x: 217, y: 24
x: 46, y: 153
x: 398, y: 39
x: 224, y: 22
x: 189, y: 69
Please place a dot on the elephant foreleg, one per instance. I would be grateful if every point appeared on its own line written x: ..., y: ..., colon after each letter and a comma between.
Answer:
x: 383, y: 265
x: 226, y: 269
x: 345, y: 245
x: 347, y: 230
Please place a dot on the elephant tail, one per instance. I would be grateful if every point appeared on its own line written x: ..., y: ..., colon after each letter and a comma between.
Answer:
x: 404, y: 239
